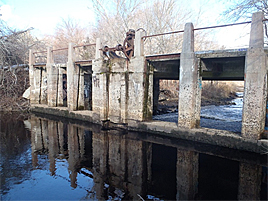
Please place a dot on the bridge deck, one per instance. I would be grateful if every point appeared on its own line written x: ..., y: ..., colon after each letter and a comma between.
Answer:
x: 214, y: 64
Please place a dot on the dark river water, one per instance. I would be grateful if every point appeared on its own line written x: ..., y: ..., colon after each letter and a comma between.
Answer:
x: 54, y: 159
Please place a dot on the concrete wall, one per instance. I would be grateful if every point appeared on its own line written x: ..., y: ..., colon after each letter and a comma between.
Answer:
x: 122, y: 89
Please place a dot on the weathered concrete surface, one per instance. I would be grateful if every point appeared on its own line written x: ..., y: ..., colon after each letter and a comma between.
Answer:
x: 188, y: 81
x: 255, y: 90
x: 81, y: 99
x: 43, y: 88
x: 100, y: 104
x: 140, y: 98
x: 34, y: 78
x: 52, y: 79
x: 60, y: 87
x: 118, y: 90
x: 72, y: 80
x: 122, y: 89
x: 209, y: 136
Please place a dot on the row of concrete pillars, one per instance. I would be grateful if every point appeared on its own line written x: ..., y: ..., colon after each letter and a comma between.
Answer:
x: 49, y: 83
x: 122, y: 90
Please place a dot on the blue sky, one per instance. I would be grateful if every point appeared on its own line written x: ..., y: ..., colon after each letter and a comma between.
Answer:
x: 44, y: 15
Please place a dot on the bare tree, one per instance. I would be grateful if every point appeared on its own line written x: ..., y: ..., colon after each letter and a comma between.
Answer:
x: 159, y: 16
x: 14, y: 76
x: 70, y: 31
x: 14, y: 45
x: 115, y: 18
x: 243, y: 9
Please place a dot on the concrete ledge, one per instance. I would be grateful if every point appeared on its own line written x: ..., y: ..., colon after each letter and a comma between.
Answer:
x: 84, y: 115
x: 216, y: 137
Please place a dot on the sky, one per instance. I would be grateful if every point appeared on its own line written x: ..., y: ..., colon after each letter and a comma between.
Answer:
x: 44, y: 15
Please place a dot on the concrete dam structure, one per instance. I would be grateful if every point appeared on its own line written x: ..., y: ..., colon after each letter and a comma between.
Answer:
x: 122, y: 92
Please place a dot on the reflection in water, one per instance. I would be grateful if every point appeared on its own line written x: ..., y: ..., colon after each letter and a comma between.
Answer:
x: 57, y: 160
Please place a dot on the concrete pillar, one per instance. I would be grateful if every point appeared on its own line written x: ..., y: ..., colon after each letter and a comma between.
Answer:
x: 97, y: 50
x: 249, y: 181
x: 52, y: 79
x: 198, y: 99
x: 118, y: 90
x: 31, y: 76
x: 60, y: 87
x: 100, y: 86
x: 81, y: 93
x: 139, y: 44
x: 188, y: 80
x: 35, y: 80
x: 187, y: 175
x: 72, y: 79
x: 255, y: 88
x: 140, y: 102
x: 43, y: 91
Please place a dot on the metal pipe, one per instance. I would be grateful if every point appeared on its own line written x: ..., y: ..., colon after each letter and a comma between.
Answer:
x: 66, y: 48
x: 201, y: 28
x: 84, y: 45
x: 224, y: 25
x: 173, y: 32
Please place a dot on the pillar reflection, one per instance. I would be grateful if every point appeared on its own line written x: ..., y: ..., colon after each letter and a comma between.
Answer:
x: 249, y: 181
x: 73, y: 150
x: 187, y: 174
x: 53, y: 146
x: 36, y: 139
x: 120, y: 166
x: 100, y: 156
x: 61, y: 137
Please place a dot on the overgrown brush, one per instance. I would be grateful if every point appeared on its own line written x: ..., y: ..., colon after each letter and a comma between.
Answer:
x: 217, y: 93
x: 13, y: 83
x: 213, y: 92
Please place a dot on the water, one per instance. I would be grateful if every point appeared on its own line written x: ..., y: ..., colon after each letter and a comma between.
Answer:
x: 223, y: 117
x: 45, y: 159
